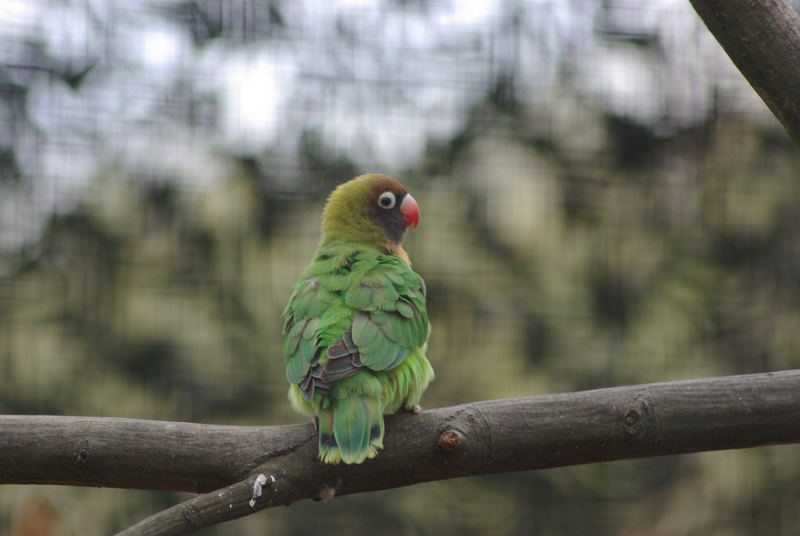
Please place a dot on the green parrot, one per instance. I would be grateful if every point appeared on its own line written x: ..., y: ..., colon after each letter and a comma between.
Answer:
x: 356, y: 325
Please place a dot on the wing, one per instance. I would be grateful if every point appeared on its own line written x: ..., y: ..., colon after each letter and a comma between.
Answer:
x: 390, y: 319
x: 316, y: 314
x: 354, y: 309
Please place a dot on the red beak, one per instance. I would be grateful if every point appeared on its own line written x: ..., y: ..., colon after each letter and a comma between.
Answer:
x: 410, y: 210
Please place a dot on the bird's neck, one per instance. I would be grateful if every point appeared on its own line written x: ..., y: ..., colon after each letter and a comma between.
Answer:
x: 385, y: 246
x: 398, y: 251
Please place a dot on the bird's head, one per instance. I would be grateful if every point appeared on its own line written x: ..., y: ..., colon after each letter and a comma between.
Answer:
x: 371, y: 209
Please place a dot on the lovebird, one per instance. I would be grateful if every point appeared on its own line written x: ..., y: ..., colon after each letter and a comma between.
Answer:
x: 356, y: 325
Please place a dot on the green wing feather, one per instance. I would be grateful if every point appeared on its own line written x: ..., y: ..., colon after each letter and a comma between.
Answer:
x: 391, y: 318
x: 377, y: 293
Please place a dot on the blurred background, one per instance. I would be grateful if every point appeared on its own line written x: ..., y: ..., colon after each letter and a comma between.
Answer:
x: 605, y: 201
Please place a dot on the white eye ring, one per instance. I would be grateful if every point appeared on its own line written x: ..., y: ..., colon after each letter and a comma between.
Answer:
x: 386, y: 200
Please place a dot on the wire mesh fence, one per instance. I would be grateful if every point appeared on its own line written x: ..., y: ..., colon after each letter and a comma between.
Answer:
x: 604, y: 201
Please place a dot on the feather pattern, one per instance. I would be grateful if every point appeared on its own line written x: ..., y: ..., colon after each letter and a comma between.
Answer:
x: 356, y: 327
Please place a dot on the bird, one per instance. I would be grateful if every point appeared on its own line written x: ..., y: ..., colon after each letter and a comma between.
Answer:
x: 356, y: 325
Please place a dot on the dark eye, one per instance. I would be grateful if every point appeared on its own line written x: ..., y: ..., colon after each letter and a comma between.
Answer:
x: 386, y: 200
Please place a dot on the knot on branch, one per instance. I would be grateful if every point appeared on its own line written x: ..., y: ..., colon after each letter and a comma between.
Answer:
x: 450, y: 440
x: 81, y: 454
x: 465, y: 433
x: 640, y: 422
x: 631, y: 416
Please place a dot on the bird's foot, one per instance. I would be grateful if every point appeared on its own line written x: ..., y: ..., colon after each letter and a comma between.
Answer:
x: 315, y: 422
x: 416, y: 409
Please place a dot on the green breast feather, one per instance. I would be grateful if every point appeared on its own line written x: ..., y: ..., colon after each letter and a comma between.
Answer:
x: 356, y: 315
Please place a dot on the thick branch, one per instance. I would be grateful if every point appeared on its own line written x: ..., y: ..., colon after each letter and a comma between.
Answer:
x: 763, y: 40
x: 472, y: 439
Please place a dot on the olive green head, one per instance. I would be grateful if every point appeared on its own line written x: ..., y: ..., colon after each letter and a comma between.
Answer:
x: 372, y: 209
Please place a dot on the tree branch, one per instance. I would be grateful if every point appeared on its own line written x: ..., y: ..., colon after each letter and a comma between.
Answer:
x: 763, y: 40
x: 480, y: 438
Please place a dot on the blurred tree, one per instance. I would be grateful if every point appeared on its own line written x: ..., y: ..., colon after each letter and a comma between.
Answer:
x: 604, y: 202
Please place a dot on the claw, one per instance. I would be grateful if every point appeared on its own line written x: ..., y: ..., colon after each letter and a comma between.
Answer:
x: 315, y: 422
x: 416, y: 409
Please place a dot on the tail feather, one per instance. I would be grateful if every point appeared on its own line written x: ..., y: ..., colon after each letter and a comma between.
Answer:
x: 328, y: 450
x: 351, y: 430
x: 358, y: 427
